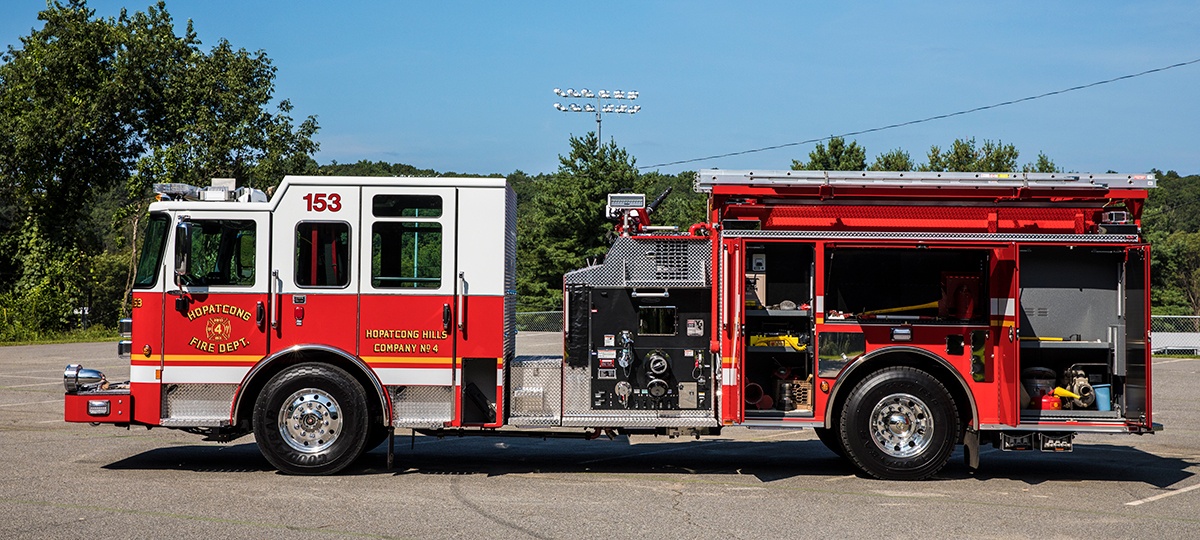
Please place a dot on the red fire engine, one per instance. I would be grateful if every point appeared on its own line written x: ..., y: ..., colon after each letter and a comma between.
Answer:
x: 896, y: 314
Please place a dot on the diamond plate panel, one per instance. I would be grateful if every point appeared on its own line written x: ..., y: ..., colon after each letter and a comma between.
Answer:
x: 535, y: 387
x: 650, y: 262
x: 577, y: 391
x: 199, y: 405
x: 421, y: 406
x: 510, y: 274
x: 642, y: 419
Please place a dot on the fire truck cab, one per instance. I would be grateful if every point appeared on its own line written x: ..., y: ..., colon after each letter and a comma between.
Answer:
x: 896, y: 314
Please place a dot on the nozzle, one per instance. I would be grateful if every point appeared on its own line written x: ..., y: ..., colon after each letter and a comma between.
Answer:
x: 652, y: 206
x: 1063, y: 392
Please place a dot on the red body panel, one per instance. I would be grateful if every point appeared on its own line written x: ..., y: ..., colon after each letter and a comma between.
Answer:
x: 219, y: 329
x: 120, y: 407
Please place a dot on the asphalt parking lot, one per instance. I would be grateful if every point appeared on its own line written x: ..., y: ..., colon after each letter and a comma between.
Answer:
x: 77, y: 481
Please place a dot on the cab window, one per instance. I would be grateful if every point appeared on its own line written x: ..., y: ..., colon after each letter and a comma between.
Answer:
x: 322, y: 254
x: 222, y: 253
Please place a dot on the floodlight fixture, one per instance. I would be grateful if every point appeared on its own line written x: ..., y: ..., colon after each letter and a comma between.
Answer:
x: 600, y: 107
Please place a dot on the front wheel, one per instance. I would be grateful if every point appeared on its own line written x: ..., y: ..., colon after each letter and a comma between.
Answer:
x: 899, y: 423
x: 832, y: 440
x: 311, y: 419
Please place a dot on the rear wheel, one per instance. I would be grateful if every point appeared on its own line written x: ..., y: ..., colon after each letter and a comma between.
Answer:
x: 900, y: 423
x: 311, y: 419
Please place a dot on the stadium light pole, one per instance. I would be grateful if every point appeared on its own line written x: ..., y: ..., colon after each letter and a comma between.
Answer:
x: 606, y: 103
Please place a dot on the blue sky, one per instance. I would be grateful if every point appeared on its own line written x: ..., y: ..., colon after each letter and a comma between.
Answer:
x: 467, y: 86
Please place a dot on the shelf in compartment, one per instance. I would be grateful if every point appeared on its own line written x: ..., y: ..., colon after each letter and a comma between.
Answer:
x: 1031, y: 416
x: 774, y: 349
x: 778, y: 313
x: 1098, y: 345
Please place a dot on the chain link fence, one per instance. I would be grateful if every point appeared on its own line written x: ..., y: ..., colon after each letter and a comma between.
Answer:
x: 1176, y: 334
x: 539, y: 321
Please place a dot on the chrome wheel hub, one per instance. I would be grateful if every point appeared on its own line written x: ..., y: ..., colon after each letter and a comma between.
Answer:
x: 310, y: 420
x: 901, y: 425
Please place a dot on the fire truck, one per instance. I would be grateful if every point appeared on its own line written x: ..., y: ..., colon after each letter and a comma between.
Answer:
x: 898, y: 315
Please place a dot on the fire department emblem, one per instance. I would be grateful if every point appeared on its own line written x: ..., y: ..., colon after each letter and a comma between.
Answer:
x: 217, y: 329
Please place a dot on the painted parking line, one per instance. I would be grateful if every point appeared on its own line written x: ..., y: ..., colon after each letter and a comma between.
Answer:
x: 32, y: 384
x: 31, y: 403
x: 1162, y: 495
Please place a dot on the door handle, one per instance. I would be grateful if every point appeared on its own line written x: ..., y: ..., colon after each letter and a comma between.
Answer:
x: 274, y: 292
x: 446, y: 317
x: 462, y: 294
x: 260, y: 315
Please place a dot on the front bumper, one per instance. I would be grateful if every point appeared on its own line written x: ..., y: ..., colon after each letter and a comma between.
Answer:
x: 91, y: 398
x: 98, y: 406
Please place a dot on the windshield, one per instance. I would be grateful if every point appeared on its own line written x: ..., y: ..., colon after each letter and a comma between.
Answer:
x: 152, y: 250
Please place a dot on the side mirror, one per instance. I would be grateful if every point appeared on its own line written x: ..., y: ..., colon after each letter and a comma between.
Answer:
x: 183, y: 250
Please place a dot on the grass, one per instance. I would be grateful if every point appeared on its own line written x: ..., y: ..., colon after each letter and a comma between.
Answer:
x: 79, y: 335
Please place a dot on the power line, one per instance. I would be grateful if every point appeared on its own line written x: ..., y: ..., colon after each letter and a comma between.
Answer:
x: 929, y: 119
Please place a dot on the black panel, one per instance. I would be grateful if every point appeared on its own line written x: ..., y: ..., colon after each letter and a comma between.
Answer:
x: 656, y: 370
x: 579, y: 308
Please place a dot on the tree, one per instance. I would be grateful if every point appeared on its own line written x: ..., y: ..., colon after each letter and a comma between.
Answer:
x: 683, y: 207
x: 895, y: 160
x: 963, y: 156
x: 838, y: 156
x: 1042, y: 165
x: 88, y: 104
x: 565, y: 226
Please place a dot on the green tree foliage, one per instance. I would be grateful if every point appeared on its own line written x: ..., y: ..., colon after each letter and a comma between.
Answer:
x: 1171, y: 222
x: 382, y: 168
x: 838, y: 156
x: 1043, y: 164
x: 895, y: 160
x: 964, y: 156
x: 92, y: 111
x: 683, y: 207
x: 566, y: 226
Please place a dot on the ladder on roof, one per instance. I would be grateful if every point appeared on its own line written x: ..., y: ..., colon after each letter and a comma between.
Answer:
x: 709, y: 178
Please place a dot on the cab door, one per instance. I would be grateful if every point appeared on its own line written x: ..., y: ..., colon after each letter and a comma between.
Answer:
x: 314, y: 267
x: 409, y: 308
x: 215, y: 317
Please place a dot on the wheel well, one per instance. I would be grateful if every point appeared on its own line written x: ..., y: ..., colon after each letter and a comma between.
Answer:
x: 265, y: 370
x: 914, y: 358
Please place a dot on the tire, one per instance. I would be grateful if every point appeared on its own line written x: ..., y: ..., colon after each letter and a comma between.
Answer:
x: 376, y: 435
x: 311, y: 419
x: 832, y: 440
x: 900, y: 423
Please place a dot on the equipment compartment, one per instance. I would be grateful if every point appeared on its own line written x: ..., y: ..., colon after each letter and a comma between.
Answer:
x: 779, y: 329
x: 917, y: 285
x: 1072, y: 333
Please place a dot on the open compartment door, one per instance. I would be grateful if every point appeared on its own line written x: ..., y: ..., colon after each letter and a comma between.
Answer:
x: 1136, y: 362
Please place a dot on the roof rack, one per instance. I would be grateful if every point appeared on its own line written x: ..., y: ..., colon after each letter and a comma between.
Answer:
x: 709, y: 178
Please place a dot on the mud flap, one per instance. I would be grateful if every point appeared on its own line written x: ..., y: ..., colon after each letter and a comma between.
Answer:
x: 971, y: 449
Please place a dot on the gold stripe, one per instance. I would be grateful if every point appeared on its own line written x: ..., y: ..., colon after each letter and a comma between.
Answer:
x: 406, y: 360
x: 248, y: 358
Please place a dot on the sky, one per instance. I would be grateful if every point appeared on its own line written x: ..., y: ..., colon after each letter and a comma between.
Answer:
x: 467, y: 86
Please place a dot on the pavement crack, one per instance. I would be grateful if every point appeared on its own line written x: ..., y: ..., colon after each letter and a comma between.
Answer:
x: 456, y: 489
